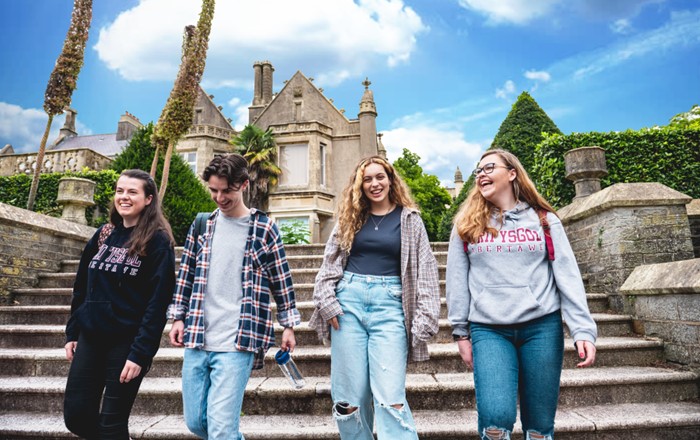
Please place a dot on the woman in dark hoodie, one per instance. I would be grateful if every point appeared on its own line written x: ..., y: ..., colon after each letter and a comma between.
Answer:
x: 122, y: 290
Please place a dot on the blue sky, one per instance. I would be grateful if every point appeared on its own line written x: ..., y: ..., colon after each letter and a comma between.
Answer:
x: 445, y: 73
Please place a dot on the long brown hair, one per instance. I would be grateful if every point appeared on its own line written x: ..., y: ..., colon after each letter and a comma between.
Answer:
x: 354, y: 206
x: 151, y: 220
x: 473, y: 218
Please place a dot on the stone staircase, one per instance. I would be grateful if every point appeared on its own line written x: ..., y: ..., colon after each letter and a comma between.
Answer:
x: 630, y: 394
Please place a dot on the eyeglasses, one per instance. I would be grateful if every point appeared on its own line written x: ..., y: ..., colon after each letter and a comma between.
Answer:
x: 488, y: 168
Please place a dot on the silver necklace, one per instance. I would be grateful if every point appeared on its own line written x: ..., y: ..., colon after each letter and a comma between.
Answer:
x: 376, y: 225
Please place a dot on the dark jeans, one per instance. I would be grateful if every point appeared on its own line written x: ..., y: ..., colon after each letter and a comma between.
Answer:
x: 96, y: 367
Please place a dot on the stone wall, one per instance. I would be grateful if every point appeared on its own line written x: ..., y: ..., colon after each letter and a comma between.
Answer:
x: 624, y: 226
x: 694, y: 220
x: 664, y: 300
x: 32, y: 243
x: 57, y: 161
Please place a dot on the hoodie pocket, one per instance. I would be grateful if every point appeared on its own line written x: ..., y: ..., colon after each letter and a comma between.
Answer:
x: 503, y: 305
x: 99, y: 317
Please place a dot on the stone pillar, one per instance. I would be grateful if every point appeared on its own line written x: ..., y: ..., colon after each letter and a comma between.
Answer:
x: 267, y: 70
x: 585, y: 166
x: 75, y: 194
x: 624, y: 226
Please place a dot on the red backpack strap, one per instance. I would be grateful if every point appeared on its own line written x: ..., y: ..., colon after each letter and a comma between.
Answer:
x: 104, y: 233
x: 542, y: 214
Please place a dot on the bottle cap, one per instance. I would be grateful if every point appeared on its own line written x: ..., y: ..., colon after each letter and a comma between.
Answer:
x: 282, y: 357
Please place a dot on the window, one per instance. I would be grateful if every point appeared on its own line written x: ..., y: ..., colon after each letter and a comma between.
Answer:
x: 294, y: 164
x: 323, y: 164
x: 191, y: 160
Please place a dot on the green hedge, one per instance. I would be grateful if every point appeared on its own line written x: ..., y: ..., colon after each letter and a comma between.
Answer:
x: 667, y: 155
x: 14, y: 190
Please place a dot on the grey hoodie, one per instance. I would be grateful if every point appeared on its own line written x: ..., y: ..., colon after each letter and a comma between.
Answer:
x: 507, y: 279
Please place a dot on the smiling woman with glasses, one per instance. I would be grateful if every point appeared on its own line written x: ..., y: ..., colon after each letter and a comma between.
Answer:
x: 511, y: 277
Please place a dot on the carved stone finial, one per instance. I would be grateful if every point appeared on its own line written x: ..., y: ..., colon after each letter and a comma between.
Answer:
x: 366, y: 83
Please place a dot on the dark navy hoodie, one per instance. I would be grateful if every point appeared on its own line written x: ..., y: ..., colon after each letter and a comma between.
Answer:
x: 118, y: 296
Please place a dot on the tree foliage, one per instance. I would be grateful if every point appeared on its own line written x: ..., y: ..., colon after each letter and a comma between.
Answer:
x: 689, y: 119
x: 260, y: 150
x: 63, y: 80
x: 429, y: 195
x: 522, y: 129
x: 186, y: 196
x: 176, y: 117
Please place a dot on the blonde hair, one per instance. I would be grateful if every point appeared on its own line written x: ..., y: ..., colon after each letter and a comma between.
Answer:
x: 354, y: 206
x: 472, y: 220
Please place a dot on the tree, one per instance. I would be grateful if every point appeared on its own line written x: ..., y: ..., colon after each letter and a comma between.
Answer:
x: 186, y: 197
x: 63, y: 80
x: 260, y: 150
x: 430, y: 196
x: 176, y: 117
x: 522, y: 129
x: 689, y: 119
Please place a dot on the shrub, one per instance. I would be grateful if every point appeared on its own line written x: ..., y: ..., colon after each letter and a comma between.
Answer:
x: 294, y: 232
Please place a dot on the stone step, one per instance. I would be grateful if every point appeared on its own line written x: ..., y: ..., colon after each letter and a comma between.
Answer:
x: 447, y: 391
x: 641, y: 421
x: 57, y: 315
x: 315, y: 360
x: 53, y: 335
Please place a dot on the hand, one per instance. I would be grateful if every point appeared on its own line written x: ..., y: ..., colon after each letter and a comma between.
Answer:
x: 131, y: 370
x: 586, y: 351
x: 333, y: 322
x: 465, y: 351
x: 70, y: 349
x: 177, y: 332
x: 288, y: 339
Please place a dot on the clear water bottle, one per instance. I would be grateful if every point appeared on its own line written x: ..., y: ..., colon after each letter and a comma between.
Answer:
x: 289, y: 368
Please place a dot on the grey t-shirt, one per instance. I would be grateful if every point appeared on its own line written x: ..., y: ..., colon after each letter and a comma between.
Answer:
x: 222, y: 299
x: 376, y: 249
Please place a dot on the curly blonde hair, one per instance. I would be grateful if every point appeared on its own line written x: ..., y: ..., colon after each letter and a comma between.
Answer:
x: 354, y: 206
x: 473, y: 217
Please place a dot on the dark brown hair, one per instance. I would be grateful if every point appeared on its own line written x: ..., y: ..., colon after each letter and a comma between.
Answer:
x: 151, y: 220
x: 232, y: 167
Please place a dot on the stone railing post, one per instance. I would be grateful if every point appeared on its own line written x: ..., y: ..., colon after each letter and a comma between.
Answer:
x: 585, y: 166
x: 75, y: 194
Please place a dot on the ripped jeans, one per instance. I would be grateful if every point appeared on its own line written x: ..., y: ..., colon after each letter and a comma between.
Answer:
x: 368, y: 360
x: 522, y: 359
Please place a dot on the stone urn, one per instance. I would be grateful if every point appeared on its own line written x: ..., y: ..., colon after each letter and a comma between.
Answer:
x: 75, y: 194
x: 585, y: 166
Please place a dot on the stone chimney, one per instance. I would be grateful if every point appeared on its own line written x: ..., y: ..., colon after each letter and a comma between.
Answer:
x: 257, y: 94
x: 127, y: 126
x: 68, y: 129
x: 585, y: 166
x: 267, y: 70
x: 262, y: 94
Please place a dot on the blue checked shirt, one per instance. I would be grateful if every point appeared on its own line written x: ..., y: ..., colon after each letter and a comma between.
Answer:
x: 265, y: 273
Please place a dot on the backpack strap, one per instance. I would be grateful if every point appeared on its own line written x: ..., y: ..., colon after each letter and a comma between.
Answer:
x: 105, y: 232
x: 542, y: 214
x: 200, y: 225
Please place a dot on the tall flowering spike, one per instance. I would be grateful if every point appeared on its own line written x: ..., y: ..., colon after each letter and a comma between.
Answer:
x: 176, y: 118
x: 63, y: 80
x: 64, y: 77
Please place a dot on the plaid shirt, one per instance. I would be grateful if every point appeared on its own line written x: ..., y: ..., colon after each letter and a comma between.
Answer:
x: 419, y: 282
x: 265, y: 272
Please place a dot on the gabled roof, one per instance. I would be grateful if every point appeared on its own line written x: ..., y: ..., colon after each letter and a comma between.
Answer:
x: 105, y: 144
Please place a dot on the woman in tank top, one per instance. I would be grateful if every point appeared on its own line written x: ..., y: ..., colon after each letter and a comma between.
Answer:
x: 377, y: 295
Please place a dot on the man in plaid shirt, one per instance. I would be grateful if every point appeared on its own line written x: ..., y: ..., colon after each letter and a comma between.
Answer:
x: 221, y: 306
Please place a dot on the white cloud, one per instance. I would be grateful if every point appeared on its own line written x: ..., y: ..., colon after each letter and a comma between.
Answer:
x: 510, y: 11
x: 540, y: 76
x: 682, y: 30
x: 440, y: 150
x: 341, y: 39
x: 506, y: 91
x: 621, y: 26
x: 23, y: 128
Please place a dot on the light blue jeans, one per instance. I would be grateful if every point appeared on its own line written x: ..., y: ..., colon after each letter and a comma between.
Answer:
x: 524, y: 359
x: 368, y: 360
x: 213, y: 385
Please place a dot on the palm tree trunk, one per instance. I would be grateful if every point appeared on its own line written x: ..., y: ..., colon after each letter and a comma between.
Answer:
x: 166, y: 171
x: 39, y: 162
x: 154, y: 164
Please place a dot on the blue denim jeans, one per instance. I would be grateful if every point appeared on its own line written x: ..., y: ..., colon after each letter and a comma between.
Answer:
x: 213, y: 385
x: 524, y: 359
x: 368, y: 360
